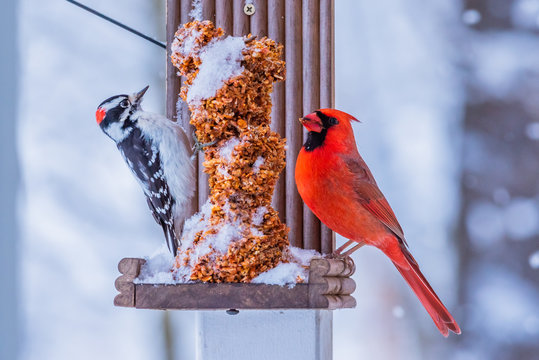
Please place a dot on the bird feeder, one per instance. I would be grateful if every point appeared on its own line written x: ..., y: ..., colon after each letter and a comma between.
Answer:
x: 305, y: 28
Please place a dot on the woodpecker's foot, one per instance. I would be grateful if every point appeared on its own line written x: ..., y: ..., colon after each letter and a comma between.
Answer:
x: 250, y: 38
x: 198, y: 146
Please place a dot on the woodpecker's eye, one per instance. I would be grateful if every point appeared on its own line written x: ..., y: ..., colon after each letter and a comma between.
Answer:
x: 124, y: 104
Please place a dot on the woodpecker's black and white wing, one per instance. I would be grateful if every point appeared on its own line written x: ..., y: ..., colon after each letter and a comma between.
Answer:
x: 144, y: 159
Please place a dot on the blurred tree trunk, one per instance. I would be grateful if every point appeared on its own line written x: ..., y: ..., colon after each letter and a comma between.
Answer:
x: 498, y: 228
x: 9, y: 323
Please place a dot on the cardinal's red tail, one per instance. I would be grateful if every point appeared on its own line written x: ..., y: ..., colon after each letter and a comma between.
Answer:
x: 442, y: 318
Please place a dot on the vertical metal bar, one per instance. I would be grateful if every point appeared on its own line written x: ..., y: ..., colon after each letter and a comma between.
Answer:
x: 182, y: 18
x: 208, y: 13
x: 241, y: 21
x: 276, y: 31
x: 259, y: 20
x: 294, y: 110
x: 184, y: 12
x: 172, y: 81
x: 327, y: 89
x: 311, y: 100
x: 185, y: 8
x: 208, y: 10
x: 186, y: 115
x: 223, y: 15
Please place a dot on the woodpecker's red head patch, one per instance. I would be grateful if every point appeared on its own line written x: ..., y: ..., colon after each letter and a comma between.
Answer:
x: 100, y: 114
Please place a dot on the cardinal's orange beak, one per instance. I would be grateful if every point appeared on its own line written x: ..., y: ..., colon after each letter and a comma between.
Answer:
x: 312, y: 123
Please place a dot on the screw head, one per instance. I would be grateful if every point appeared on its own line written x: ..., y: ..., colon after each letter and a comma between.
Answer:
x: 232, y: 312
x: 249, y: 9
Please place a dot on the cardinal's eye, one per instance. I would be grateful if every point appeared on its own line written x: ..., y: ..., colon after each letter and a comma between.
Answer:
x: 333, y: 121
x: 124, y: 104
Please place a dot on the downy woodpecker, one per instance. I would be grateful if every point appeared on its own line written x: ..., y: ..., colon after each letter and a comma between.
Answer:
x: 157, y: 151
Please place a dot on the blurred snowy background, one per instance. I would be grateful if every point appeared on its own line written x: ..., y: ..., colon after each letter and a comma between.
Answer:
x: 447, y: 94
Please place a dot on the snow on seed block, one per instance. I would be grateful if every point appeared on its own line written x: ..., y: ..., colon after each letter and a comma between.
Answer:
x: 229, y: 80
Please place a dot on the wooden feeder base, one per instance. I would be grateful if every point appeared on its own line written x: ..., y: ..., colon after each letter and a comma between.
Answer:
x: 329, y: 287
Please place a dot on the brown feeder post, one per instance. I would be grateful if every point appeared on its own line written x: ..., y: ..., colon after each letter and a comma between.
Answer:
x: 305, y: 27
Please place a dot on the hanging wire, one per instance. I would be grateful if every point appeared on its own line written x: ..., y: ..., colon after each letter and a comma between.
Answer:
x: 117, y: 23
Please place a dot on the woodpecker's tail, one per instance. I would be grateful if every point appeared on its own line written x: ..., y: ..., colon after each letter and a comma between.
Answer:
x: 173, y: 241
x: 442, y: 318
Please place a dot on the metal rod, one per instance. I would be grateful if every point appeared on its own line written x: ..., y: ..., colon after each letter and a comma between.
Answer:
x: 240, y: 22
x: 276, y: 31
x: 259, y: 20
x: 223, y: 16
x: 294, y: 110
x: 185, y: 9
x: 327, y: 89
x: 311, y: 101
x: 208, y: 13
x: 125, y: 27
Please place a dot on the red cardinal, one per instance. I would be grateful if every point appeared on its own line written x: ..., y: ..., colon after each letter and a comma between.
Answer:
x: 339, y: 188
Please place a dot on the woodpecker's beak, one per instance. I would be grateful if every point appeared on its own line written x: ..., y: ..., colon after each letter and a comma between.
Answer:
x: 137, y: 97
x: 312, y: 123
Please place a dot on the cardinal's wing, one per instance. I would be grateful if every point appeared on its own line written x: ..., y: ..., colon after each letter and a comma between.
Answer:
x: 369, y: 195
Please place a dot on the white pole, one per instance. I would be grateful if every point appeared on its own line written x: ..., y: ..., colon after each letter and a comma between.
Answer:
x: 265, y: 334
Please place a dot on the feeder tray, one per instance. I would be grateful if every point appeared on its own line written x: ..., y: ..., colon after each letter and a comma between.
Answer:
x: 329, y: 288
